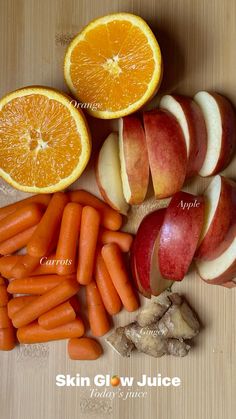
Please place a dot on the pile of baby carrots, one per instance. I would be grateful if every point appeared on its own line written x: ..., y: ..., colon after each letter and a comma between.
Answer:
x: 71, y: 240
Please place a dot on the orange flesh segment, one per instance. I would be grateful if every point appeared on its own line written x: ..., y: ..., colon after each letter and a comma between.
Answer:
x: 112, y: 66
x: 40, y: 143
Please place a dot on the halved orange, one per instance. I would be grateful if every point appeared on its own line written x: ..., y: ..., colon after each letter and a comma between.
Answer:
x: 44, y: 140
x: 114, y: 65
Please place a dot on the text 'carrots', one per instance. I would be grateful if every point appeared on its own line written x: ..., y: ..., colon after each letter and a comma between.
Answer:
x: 84, y: 349
x: 47, y: 266
x: 116, y: 267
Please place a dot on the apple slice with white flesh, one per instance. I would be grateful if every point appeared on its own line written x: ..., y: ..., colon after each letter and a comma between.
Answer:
x: 108, y: 174
x: 134, y: 159
x: 143, y: 256
x: 166, y: 152
x: 179, y: 234
x: 190, y: 118
x: 220, y: 270
x: 158, y: 283
x: 220, y: 122
x: 220, y: 218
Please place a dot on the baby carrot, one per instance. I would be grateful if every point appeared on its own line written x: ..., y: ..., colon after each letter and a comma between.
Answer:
x: 42, y: 199
x: 7, y: 339
x: 6, y: 265
x: 35, y: 285
x: 5, y: 322
x: 110, y: 298
x: 75, y: 303
x: 69, y: 233
x: 116, y: 267
x: 62, y: 314
x: 89, y: 229
x: 110, y: 218
x: 46, y: 302
x: 15, y: 304
x: 3, y: 293
x: 84, y: 349
x: 124, y: 240
x: 47, y: 266
x: 40, y: 242
x: 34, y: 333
x: 16, y: 242
x: 19, y: 221
x: 98, y: 320
x: 24, y: 266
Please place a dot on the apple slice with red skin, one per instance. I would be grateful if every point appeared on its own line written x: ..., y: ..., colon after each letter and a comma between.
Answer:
x: 190, y: 118
x: 137, y: 283
x: 166, y: 152
x: 179, y: 234
x: 108, y: 175
x: 158, y: 283
x: 220, y: 122
x: 134, y: 159
x: 220, y: 218
x: 229, y: 284
x: 143, y: 256
x: 220, y: 270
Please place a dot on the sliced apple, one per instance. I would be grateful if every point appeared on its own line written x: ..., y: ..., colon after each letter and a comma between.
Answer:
x: 143, y: 255
x: 134, y: 159
x: 108, y: 174
x: 229, y: 284
x: 179, y: 234
x: 158, y: 283
x: 190, y: 118
x: 220, y: 270
x: 219, y: 219
x: 166, y: 152
x: 220, y: 122
x: 137, y: 283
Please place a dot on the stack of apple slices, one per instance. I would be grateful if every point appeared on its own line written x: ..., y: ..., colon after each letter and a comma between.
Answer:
x: 191, y: 227
x: 184, y: 138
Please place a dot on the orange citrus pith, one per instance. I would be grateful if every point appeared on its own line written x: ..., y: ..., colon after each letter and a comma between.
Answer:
x: 114, y: 65
x: 44, y: 140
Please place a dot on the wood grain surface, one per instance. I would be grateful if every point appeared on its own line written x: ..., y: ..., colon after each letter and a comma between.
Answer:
x: 197, y: 38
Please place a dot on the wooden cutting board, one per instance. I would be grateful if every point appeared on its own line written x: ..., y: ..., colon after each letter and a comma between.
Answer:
x: 198, y: 44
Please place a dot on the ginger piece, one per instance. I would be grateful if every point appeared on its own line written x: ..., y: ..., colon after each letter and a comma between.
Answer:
x: 146, y: 339
x: 179, y: 322
x: 120, y: 342
x: 153, y: 311
x: 177, y: 347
